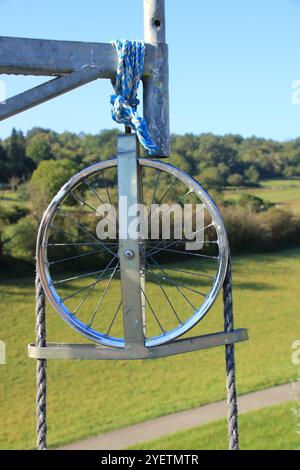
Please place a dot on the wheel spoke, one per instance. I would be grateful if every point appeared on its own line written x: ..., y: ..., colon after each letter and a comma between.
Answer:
x: 177, y: 288
x: 78, y: 199
x: 81, y: 227
x: 103, y: 295
x: 165, y: 294
x: 62, y: 281
x: 83, y: 289
x: 159, y: 242
x: 91, y: 290
x: 114, y: 318
x: 184, y: 286
x: 155, y: 187
x: 81, y: 244
x: 59, y: 229
x: 167, y: 192
x: 154, y: 314
x: 92, y: 189
x: 186, y: 195
x: 75, y: 257
x: 192, y: 254
x: 105, y: 184
x: 186, y: 272
x: 174, y: 242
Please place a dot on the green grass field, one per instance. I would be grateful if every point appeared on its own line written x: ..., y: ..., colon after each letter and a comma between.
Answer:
x: 11, y: 198
x: 87, y: 398
x: 272, y: 428
x: 283, y: 192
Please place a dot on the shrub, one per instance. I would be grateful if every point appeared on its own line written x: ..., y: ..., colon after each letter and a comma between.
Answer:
x: 254, y: 203
x: 281, y: 228
x: 211, y: 178
x: 21, y: 239
x: 243, y: 231
x: 263, y: 231
x: 47, y: 180
x: 235, y: 180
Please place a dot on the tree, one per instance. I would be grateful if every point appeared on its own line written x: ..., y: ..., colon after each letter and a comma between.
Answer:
x: 21, y: 239
x: 17, y: 162
x: 3, y: 223
x: 99, y: 147
x: 39, y: 147
x: 235, y: 180
x: 14, y: 181
x: 211, y: 178
x: 224, y: 170
x: 47, y: 180
x: 252, y: 175
x: 180, y: 162
x: 4, y: 170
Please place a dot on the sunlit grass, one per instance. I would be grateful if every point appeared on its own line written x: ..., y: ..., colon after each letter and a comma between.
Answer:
x: 272, y: 428
x: 87, y: 398
x: 285, y: 193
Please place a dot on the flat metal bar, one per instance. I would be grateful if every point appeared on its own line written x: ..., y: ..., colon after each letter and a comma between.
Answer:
x: 130, y: 266
x: 142, y: 252
x: 48, y: 57
x: 46, y: 91
x: 94, y: 352
x: 156, y: 84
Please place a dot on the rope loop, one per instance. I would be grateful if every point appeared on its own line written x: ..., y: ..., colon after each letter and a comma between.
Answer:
x: 125, y: 102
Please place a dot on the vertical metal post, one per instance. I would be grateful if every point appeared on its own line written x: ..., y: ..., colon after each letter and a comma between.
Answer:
x: 142, y: 252
x: 156, y: 84
x: 155, y: 21
x: 128, y: 243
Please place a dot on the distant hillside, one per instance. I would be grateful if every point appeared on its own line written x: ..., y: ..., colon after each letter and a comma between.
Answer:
x: 229, y: 160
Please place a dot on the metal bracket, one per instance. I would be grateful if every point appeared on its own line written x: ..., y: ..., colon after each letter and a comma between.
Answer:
x: 77, y: 63
x: 94, y: 352
x: 47, y: 91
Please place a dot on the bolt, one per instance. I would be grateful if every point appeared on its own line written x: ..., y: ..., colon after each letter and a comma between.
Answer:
x: 129, y: 254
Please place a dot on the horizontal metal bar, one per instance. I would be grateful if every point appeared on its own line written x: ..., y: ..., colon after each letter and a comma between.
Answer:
x: 94, y: 352
x: 46, y: 91
x: 48, y: 57
x: 22, y: 56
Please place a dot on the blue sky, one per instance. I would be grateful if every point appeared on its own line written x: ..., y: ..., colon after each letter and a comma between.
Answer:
x: 232, y: 63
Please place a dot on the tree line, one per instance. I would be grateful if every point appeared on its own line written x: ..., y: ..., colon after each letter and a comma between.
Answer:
x: 38, y: 164
x: 218, y: 161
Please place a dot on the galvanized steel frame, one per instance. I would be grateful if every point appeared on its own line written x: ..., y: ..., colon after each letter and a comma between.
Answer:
x: 76, y: 63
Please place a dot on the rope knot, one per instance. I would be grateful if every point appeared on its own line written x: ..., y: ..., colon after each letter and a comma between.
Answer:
x: 124, y: 101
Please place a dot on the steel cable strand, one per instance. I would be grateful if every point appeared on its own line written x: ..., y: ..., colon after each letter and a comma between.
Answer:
x: 230, y: 362
x: 41, y: 425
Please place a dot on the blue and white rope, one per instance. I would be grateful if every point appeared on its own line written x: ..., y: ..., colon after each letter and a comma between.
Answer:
x: 129, y: 73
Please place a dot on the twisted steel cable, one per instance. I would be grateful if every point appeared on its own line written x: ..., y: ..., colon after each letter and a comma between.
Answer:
x: 41, y: 387
x: 230, y: 362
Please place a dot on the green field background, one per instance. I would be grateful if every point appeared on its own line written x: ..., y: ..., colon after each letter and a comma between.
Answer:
x: 87, y: 398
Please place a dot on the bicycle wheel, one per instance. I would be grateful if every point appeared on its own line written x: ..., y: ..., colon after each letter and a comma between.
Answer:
x: 80, y: 273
